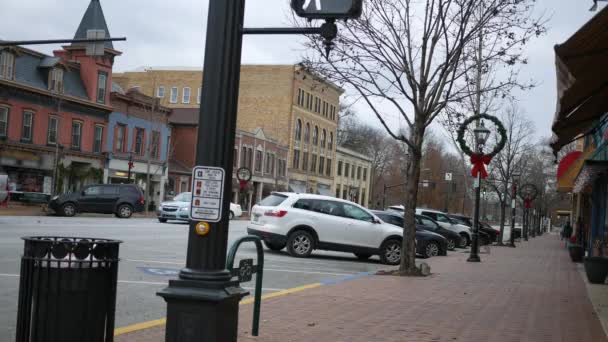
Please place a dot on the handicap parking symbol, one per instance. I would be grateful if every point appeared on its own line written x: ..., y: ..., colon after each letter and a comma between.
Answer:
x: 157, y: 271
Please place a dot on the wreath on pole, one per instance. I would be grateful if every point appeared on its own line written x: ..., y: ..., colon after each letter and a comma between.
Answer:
x: 479, y: 160
x: 528, y: 193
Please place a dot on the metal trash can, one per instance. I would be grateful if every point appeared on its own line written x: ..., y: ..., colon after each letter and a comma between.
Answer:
x: 67, y: 290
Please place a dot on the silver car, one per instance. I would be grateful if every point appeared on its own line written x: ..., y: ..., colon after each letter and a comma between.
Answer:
x: 177, y: 209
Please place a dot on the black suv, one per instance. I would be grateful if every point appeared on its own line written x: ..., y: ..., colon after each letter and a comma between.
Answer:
x: 121, y: 200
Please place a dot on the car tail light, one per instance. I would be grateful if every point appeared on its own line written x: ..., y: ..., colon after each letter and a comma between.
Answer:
x: 276, y: 213
x: 141, y: 199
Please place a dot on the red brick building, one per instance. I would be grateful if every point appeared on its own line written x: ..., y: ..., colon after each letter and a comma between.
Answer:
x: 265, y: 157
x: 54, y: 113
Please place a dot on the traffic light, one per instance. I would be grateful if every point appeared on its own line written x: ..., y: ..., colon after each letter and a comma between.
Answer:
x: 327, y: 9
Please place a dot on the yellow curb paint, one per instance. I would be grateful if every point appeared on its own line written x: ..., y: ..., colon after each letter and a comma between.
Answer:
x: 163, y: 321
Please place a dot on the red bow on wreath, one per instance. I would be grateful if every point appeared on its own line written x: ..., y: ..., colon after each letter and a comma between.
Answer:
x: 527, y: 203
x: 478, y: 161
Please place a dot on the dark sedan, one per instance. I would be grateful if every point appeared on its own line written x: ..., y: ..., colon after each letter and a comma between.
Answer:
x: 428, y: 244
x: 487, y: 234
x: 429, y: 224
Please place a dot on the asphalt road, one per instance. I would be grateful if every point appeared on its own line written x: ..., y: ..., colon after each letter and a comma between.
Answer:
x: 151, y: 254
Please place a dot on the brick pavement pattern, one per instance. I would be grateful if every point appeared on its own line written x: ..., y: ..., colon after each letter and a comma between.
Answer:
x: 532, y: 293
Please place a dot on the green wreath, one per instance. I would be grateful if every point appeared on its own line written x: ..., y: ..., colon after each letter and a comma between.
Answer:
x: 501, y: 130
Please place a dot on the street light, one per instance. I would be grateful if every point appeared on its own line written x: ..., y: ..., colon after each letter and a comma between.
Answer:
x: 515, y: 180
x: 481, y: 136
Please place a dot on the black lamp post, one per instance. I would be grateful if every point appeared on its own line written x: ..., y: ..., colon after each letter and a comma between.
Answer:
x: 515, y: 179
x: 481, y: 136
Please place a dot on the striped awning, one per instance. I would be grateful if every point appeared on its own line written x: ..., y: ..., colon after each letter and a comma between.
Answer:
x: 569, y: 167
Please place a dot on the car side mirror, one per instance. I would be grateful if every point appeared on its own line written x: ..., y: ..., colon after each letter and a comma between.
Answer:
x: 82, y: 193
x: 376, y: 221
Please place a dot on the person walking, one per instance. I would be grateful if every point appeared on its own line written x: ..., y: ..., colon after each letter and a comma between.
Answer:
x: 566, y: 231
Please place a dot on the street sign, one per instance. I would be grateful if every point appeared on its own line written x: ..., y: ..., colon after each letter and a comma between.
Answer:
x: 448, y: 176
x: 327, y: 9
x: 207, y: 193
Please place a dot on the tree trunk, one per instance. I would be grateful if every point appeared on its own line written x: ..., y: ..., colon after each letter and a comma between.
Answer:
x: 502, y: 220
x: 408, y: 247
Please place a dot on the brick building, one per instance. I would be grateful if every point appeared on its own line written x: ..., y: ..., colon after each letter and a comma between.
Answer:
x: 54, y: 113
x: 264, y: 156
x: 291, y: 105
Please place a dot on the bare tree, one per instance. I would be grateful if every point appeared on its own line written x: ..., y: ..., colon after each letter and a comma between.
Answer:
x: 513, y: 157
x: 405, y: 60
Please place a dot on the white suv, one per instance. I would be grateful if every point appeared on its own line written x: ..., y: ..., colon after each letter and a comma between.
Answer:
x: 447, y: 223
x: 305, y: 222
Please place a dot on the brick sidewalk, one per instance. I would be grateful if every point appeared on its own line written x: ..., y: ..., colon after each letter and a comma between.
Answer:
x: 532, y: 293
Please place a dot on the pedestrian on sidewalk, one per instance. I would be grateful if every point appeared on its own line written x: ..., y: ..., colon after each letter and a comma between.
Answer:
x: 566, y: 231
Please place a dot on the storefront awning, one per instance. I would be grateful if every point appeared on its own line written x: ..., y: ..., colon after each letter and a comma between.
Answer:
x: 20, y: 155
x: 569, y: 167
x: 582, y: 80
x: 594, y: 167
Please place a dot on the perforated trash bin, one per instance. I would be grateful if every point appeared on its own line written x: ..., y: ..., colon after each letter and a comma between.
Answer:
x: 67, y: 290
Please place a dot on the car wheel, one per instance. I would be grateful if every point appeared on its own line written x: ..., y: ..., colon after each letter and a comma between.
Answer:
x: 451, y: 244
x: 362, y: 256
x: 125, y: 211
x: 300, y: 244
x: 390, y: 252
x: 431, y: 250
x: 231, y: 215
x: 162, y: 220
x: 68, y: 209
x: 464, y: 241
x: 274, y: 246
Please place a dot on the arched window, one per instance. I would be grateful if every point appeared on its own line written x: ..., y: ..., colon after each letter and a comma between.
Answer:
x: 323, y: 138
x: 330, y: 143
x: 315, y: 136
x: 298, y: 130
x: 307, y: 133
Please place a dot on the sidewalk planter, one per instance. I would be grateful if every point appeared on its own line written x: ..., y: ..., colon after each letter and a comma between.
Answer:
x: 596, y: 269
x: 576, y: 252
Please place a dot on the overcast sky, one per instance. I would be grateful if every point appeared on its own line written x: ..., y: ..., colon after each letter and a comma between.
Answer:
x: 171, y: 33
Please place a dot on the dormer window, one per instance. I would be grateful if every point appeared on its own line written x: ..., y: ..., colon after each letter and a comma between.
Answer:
x: 102, y: 81
x: 56, y: 80
x: 7, y: 65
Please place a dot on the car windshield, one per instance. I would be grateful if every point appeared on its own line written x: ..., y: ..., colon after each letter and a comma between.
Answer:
x: 272, y: 200
x: 183, y: 197
x: 459, y: 220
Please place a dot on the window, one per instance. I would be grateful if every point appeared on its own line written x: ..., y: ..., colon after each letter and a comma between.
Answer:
x: 186, y: 95
x: 304, y: 204
x: 305, y: 161
x: 198, y: 96
x: 365, y: 174
x: 346, y: 169
x: 120, y: 138
x: 307, y: 133
x: 102, y: 81
x: 52, y: 131
x: 296, y: 159
x: 235, y: 160
x: 330, y: 143
x: 363, y: 198
x: 344, y: 192
x: 7, y: 65
x: 356, y: 213
x: 76, y: 134
x: 139, y: 141
x: 313, y: 164
x: 27, y: 123
x: 258, y: 161
x: 428, y: 223
x: 173, y: 97
x: 154, y: 144
x: 352, y: 172
x: 110, y: 190
x: 298, y: 131
x: 317, y: 105
x: 97, y: 138
x: 337, y: 191
x: 93, y: 191
x: 3, y: 121
x: 273, y: 200
x: 160, y: 92
x: 359, y: 172
x: 328, y: 169
x: 339, y: 168
x: 328, y: 207
x: 243, y: 157
x: 300, y: 97
x: 323, y: 138
x: 56, y: 80
x: 321, y: 164
x: 443, y: 218
x: 250, y: 158
x: 315, y: 136
x: 308, y: 101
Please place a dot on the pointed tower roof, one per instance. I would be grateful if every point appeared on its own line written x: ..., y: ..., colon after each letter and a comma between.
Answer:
x: 93, y: 19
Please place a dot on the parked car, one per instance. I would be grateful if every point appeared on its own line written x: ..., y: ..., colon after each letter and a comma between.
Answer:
x: 487, y: 234
x: 443, y: 220
x: 428, y: 244
x: 3, y: 188
x: 235, y: 211
x: 177, y: 209
x: 305, y: 222
x: 121, y: 200
x: 427, y: 223
x: 399, y: 209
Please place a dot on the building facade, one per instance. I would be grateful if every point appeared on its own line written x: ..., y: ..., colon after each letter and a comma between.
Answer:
x: 352, y: 180
x: 292, y: 106
x: 54, y: 113
x: 138, y: 132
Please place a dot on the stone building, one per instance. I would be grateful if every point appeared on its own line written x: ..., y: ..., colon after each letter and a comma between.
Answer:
x: 291, y: 105
x: 352, y: 180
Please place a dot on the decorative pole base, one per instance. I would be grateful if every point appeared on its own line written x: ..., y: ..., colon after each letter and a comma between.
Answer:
x: 474, y: 258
